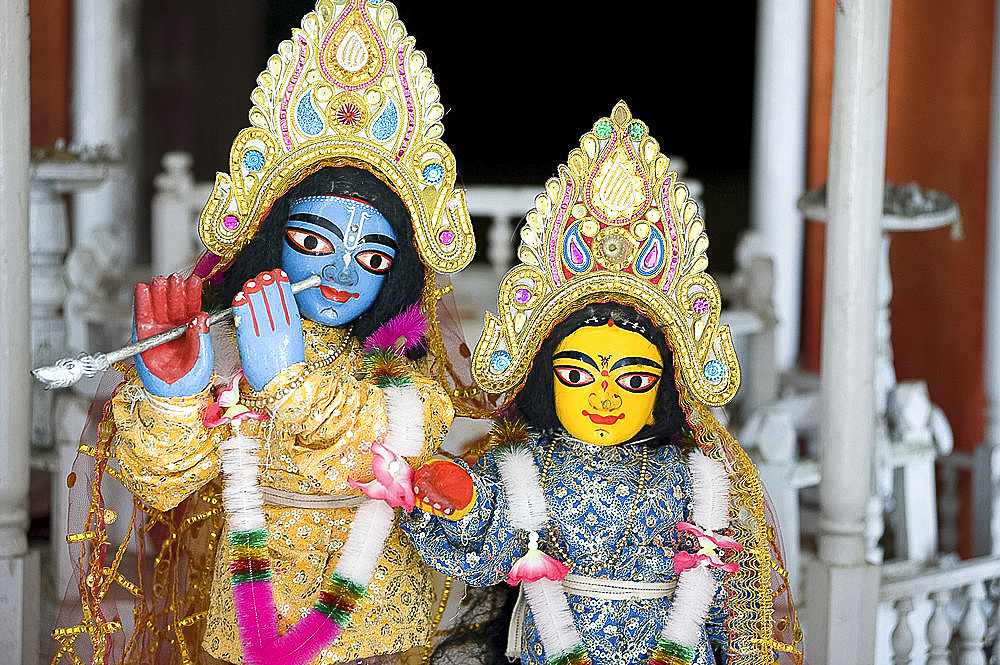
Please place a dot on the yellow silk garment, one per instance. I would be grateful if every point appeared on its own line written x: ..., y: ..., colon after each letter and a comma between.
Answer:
x: 320, y: 433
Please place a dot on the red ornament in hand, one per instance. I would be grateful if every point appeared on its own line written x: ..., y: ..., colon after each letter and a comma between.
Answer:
x: 444, y: 488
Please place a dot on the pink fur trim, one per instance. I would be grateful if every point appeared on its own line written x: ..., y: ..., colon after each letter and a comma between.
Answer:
x: 256, y: 616
x: 409, y: 326
x: 303, y: 641
x: 258, y: 623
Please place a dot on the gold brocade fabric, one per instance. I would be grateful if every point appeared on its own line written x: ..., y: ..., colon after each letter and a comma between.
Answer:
x: 322, y: 425
x: 763, y: 625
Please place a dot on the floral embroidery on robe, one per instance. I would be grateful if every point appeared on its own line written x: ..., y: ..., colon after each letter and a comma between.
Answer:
x: 591, y: 495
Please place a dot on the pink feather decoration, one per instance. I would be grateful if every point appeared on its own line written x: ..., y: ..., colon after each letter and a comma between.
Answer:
x: 303, y: 641
x: 402, y: 332
x: 258, y: 623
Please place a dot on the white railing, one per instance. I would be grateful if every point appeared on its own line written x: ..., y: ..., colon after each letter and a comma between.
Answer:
x: 940, y: 615
x: 177, y: 203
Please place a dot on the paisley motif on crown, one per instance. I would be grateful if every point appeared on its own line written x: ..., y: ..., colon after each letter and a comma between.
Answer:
x: 615, y: 224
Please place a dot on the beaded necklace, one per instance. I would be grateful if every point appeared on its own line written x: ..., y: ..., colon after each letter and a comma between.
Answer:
x: 592, y: 569
x: 258, y: 403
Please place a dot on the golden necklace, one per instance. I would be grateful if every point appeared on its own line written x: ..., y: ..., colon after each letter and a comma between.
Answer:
x: 592, y: 569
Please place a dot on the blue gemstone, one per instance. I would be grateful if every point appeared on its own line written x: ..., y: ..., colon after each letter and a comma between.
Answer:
x: 714, y: 371
x: 499, y: 362
x: 433, y: 173
x: 253, y: 160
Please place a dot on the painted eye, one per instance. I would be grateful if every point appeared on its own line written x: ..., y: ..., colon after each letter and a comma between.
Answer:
x: 573, y: 377
x: 637, y: 382
x: 308, y: 242
x: 373, y: 261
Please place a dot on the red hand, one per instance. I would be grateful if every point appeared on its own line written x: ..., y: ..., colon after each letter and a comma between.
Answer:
x: 165, y: 304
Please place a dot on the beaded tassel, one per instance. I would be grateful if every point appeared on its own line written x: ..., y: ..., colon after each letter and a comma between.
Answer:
x: 338, y: 598
x: 575, y: 656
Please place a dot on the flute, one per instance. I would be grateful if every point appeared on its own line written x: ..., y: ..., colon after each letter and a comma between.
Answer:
x: 68, y: 371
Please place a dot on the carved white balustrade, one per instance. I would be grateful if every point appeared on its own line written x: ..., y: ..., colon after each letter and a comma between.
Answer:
x: 941, y: 615
x: 911, y: 432
x: 50, y: 180
x: 177, y: 202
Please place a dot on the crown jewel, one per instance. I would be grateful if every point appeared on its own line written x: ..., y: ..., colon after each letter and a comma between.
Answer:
x: 349, y: 87
x: 614, y: 225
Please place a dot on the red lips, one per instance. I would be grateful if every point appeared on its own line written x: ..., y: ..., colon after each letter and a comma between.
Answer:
x: 337, y: 296
x: 603, y: 420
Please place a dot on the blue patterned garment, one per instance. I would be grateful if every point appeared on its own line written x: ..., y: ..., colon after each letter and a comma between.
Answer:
x: 591, y: 492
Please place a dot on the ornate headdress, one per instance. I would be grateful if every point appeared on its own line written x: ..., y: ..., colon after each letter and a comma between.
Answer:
x: 614, y: 225
x: 348, y: 88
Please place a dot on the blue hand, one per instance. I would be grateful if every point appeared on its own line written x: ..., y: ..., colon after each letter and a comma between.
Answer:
x: 268, y: 327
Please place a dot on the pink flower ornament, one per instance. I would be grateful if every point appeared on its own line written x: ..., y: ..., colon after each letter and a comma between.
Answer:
x: 229, y: 399
x: 709, y: 553
x: 393, y: 479
x: 535, y: 565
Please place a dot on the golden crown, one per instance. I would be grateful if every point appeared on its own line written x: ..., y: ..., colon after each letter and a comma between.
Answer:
x: 348, y: 88
x: 614, y: 225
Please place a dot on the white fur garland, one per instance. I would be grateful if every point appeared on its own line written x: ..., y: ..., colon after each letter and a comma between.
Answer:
x: 527, y: 510
x: 242, y: 495
x: 693, y: 598
x: 405, y: 418
x: 711, y: 492
x: 547, y: 599
x: 523, y: 487
x: 557, y: 631
x: 365, y: 542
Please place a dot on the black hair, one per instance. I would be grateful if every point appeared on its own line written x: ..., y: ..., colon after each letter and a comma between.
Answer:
x: 402, y: 286
x: 535, y: 401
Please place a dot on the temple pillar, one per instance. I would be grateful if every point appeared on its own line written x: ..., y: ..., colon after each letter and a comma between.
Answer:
x: 106, y: 120
x: 842, y: 589
x: 986, y: 470
x: 19, y: 570
x: 777, y: 174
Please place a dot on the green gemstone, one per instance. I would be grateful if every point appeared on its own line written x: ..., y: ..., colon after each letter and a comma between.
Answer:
x: 636, y: 131
x: 603, y: 129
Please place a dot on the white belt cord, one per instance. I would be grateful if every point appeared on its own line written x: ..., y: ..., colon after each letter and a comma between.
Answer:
x: 587, y: 587
x: 605, y: 589
x: 277, y: 497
